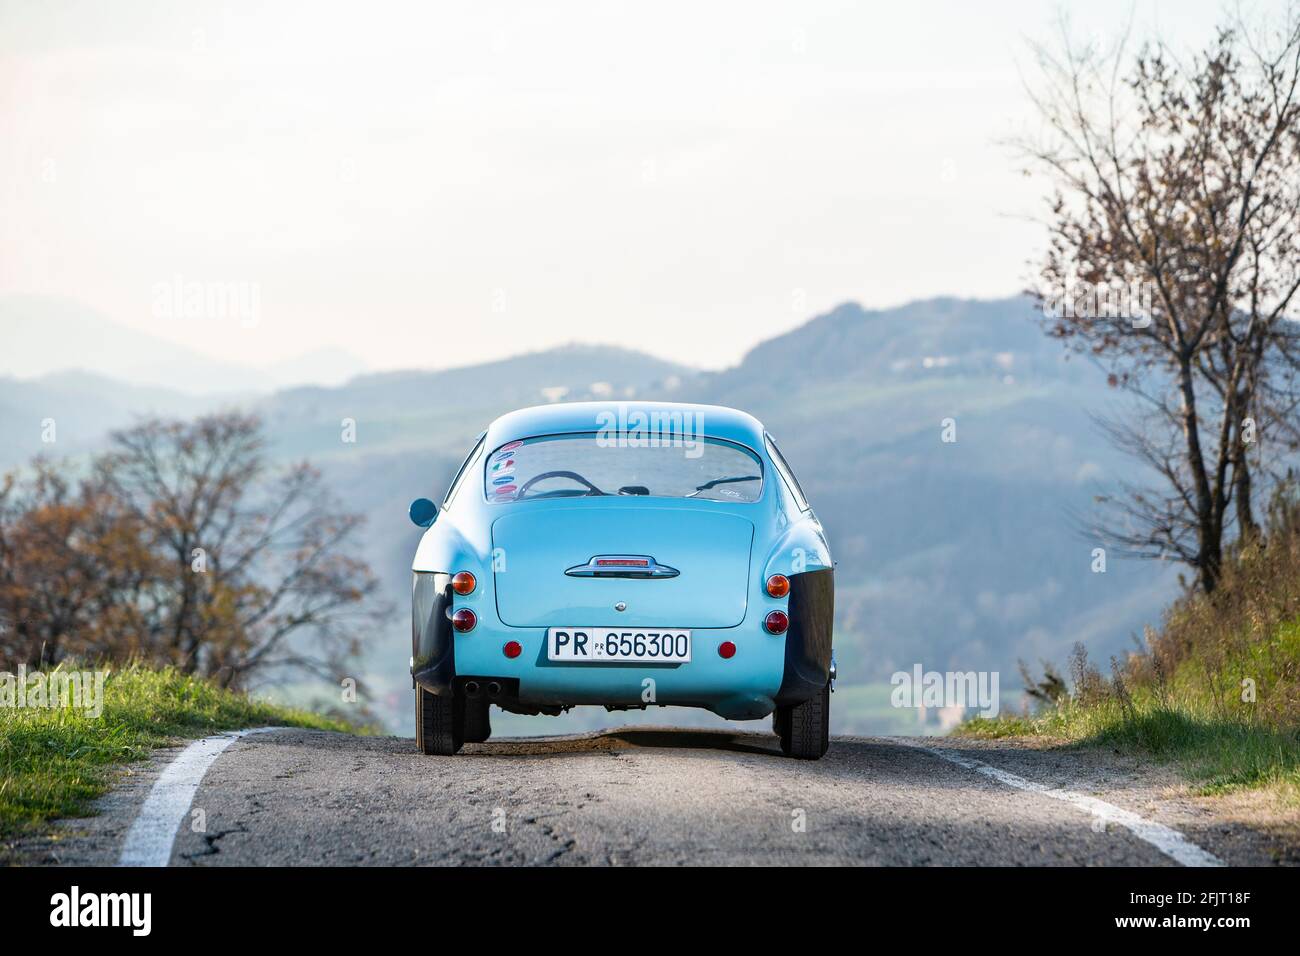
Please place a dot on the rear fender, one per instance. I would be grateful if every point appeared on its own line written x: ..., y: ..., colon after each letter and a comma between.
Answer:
x: 433, y: 648
x: 802, y: 555
x: 444, y: 549
x: 808, y: 641
x: 451, y: 546
x: 800, y: 548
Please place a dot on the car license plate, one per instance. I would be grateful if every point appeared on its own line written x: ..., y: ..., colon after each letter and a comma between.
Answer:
x: 595, y: 645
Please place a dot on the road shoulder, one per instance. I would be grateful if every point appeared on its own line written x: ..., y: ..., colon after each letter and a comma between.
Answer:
x: 94, y: 840
x: 1242, y: 829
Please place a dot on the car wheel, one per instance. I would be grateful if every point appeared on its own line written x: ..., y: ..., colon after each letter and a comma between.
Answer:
x: 478, y: 724
x: 805, y: 729
x: 439, y: 722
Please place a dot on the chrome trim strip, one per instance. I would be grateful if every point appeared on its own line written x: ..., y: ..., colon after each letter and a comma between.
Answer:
x: 649, y: 569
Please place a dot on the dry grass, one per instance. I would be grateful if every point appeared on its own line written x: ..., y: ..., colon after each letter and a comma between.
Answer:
x: 1215, y: 689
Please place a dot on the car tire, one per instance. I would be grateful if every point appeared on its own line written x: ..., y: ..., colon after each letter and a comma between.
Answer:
x: 805, y: 729
x: 478, y: 722
x: 439, y: 722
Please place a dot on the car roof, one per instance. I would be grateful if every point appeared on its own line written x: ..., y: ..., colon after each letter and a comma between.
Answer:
x: 710, y: 421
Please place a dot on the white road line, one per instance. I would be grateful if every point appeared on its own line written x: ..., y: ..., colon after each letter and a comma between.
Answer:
x: 149, y: 841
x: 1165, y: 839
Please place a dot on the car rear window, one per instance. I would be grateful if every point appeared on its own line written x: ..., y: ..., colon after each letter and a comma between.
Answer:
x: 577, y: 465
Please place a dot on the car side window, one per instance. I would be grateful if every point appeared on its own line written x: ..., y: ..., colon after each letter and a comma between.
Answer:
x: 465, y: 469
x: 787, y: 475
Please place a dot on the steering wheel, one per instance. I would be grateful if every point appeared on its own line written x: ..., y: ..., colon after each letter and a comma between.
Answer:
x: 572, y: 475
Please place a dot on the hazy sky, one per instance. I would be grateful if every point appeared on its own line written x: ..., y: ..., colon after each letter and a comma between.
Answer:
x: 437, y: 184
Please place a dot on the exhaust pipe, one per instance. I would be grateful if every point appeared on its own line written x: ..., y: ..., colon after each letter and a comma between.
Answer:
x: 471, y: 688
x: 493, y: 689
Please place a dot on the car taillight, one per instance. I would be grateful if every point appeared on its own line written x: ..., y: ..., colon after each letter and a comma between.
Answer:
x: 776, y: 622
x: 513, y: 649
x: 726, y: 650
x: 464, y: 620
x: 462, y: 582
x: 778, y: 585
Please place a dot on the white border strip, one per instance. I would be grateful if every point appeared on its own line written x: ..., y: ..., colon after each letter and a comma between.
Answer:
x: 1168, y: 841
x: 149, y: 841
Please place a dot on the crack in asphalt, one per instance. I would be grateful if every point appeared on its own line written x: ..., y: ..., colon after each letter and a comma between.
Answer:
x: 210, y: 847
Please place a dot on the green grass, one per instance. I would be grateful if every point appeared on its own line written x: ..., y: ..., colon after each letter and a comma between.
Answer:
x: 54, y: 762
x: 1219, y: 755
x: 1196, y: 722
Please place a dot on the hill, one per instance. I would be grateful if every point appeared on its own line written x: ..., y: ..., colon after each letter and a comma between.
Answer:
x: 954, y: 555
x: 44, y: 335
x: 957, y: 556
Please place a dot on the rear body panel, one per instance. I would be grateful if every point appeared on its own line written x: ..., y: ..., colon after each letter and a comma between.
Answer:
x: 709, y: 550
x: 723, y: 550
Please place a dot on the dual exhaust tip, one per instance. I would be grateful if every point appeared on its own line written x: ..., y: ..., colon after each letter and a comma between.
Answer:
x: 473, y: 688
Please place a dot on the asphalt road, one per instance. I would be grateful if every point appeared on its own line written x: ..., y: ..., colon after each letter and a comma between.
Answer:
x: 649, y: 796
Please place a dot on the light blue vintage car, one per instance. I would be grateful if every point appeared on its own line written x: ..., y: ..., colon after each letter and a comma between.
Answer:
x: 625, y: 555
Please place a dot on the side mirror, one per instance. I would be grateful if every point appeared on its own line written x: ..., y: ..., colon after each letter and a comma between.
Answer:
x: 423, y: 512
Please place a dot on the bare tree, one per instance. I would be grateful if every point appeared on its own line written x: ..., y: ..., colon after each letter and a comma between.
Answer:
x: 1178, y: 184
x: 184, y: 546
x: 257, y: 560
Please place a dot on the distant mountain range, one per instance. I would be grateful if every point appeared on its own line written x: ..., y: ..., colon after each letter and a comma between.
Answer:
x: 956, y: 556
x: 43, y: 335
